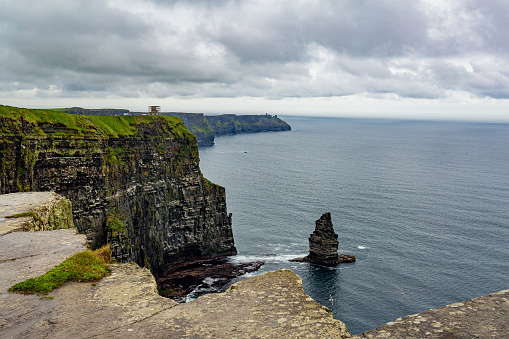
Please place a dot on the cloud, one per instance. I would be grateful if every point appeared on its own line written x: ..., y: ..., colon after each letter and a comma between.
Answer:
x: 425, y: 49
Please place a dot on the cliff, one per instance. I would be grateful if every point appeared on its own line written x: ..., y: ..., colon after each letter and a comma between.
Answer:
x: 207, y: 127
x: 134, y: 181
x: 198, y: 125
x: 233, y: 124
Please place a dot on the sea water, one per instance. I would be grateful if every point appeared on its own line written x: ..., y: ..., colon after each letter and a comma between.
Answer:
x: 424, y: 206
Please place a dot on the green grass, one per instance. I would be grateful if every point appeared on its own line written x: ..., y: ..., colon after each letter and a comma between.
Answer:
x: 84, y: 267
x: 100, y: 126
x: 209, y: 183
x: 22, y: 215
x: 26, y: 214
x: 114, y: 223
x: 202, y: 129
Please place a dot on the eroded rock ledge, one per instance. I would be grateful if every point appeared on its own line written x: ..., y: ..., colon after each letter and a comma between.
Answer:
x: 44, y: 211
x: 483, y: 317
x: 134, y: 182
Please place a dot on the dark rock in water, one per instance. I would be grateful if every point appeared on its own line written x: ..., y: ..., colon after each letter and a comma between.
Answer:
x: 323, y: 242
x: 323, y: 245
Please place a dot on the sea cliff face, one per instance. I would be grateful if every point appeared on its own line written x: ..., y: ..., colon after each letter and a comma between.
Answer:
x: 207, y: 127
x: 234, y: 124
x: 198, y: 125
x: 134, y: 181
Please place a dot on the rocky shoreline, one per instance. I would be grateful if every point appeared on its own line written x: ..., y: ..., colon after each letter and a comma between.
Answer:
x: 181, y: 278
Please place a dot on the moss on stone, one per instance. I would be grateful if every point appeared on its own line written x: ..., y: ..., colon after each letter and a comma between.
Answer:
x: 209, y: 184
x: 114, y: 223
x: 23, y: 215
x: 60, y: 216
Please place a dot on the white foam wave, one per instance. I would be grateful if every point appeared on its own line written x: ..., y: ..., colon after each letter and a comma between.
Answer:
x: 265, y: 258
x: 205, y: 287
x: 250, y: 274
x: 209, y: 280
x: 362, y: 247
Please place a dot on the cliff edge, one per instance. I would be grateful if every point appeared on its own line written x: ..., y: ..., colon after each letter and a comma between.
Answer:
x: 483, y: 317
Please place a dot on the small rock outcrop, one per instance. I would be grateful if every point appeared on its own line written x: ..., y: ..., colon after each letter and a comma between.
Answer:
x: 34, y: 211
x: 323, y: 245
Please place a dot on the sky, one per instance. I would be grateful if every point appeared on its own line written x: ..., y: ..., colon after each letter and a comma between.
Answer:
x: 418, y: 59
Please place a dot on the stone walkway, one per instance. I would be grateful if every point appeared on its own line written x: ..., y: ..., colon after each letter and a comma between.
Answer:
x: 26, y: 255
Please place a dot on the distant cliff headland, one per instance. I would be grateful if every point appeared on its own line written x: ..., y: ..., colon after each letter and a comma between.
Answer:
x: 134, y: 181
x: 206, y: 127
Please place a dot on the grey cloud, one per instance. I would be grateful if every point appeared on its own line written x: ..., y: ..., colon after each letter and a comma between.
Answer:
x: 254, y: 48
x: 281, y: 32
x: 72, y: 35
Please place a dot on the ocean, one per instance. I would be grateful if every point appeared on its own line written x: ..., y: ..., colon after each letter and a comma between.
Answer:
x: 424, y: 206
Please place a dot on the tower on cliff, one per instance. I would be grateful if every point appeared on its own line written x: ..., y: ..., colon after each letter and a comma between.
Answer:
x: 154, y: 110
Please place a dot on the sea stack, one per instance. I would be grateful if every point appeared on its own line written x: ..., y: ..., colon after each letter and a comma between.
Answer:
x: 323, y: 245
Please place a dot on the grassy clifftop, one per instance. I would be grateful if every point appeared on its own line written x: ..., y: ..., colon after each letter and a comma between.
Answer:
x: 40, y: 122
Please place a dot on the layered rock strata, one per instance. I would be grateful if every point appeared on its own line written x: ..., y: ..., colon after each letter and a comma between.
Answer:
x: 134, y: 181
x: 323, y: 245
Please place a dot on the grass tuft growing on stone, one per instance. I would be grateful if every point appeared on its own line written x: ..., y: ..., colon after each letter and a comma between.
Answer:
x: 83, y: 267
x: 22, y: 215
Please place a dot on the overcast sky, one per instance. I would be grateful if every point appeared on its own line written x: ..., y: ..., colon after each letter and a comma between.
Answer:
x: 394, y: 58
